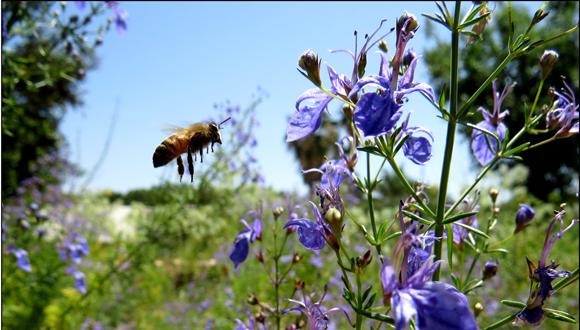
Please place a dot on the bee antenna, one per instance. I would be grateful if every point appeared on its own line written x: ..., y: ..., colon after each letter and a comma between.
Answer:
x: 220, y: 124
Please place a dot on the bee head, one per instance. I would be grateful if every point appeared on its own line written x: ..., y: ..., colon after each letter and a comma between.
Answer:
x: 214, y: 132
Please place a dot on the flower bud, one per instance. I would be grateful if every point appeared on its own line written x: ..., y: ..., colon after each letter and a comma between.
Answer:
x: 524, y: 215
x: 411, y: 23
x: 310, y: 63
x: 296, y: 258
x: 332, y: 216
x: 409, y: 56
x: 260, y: 317
x: 547, y: 61
x: 493, y: 193
x: 364, y: 260
x: 383, y: 46
x: 489, y: 270
x: 477, y: 309
x: 479, y: 27
x: 277, y: 212
x: 539, y: 15
x: 260, y: 257
x: 298, y: 284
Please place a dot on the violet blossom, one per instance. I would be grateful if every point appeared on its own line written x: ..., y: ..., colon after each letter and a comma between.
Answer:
x: 542, y: 275
x: 484, y: 146
x: 22, y: 260
x: 524, y: 215
x: 316, y: 314
x: 309, y: 107
x: 242, y: 242
x: 411, y: 294
x: 564, y: 114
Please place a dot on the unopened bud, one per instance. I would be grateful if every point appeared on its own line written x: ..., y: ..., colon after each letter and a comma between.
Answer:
x: 539, y: 15
x: 493, y: 193
x: 479, y: 27
x: 477, y: 309
x: 252, y: 299
x: 489, y: 270
x: 333, y: 216
x: 383, y: 46
x: 298, y: 284
x: 260, y: 257
x: 310, y: 63
x: 524, y: 215
x: 277, y: 212
x: 296, y: 258
x: 260, y: 317
x: 547, y: 61
x: 409, y: 56
x: 365, y: 259
x: 411, y: 23
x: 362, y: 64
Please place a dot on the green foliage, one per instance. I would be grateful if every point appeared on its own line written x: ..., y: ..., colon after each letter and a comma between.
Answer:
x: 551, y: 168
x: 46, y: 53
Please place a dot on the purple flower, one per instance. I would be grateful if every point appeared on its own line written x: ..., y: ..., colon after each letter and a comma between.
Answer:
x: 74, y: 249
x: 21, y: 256
x: 524, y: 215
x: 308, y: 116
x: 564, y: 115
x: 489, y: 269
x: 312, y: 234
x: 411, y: 294
x: 316, y: 314
x: 460, y: 234
x: 484, y: 146
x: 434, y: 305
x: 80, y: 4
x: 80, y: 281
x: 242, y: 242
x: 542, y: 275
x: 377, y: 112
x: 418, y: 149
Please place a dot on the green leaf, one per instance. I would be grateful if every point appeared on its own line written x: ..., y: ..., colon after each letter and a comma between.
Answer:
x: 507, y: 319
x: 559, y: 315
x: 517, y: 149
x: 416, y: 217
x: 391, y: 236
x: 366, y: 294
x: 473, y: 12
x: 474, y: 21
x: 473, y: 230
x: 449, y: 245
x: 460, y: 216
x: 502, y: 251
x: 371, y: 301
x: 513, y: 303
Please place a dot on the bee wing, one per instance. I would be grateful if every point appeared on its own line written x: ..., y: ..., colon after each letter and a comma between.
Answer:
x: 170, y: 128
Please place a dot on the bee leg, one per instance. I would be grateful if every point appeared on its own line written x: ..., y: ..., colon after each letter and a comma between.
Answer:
x: 201, y: 154
x: 190, y: 163
x: 212, y: 147
x: 180, y: 168
x: 207, y: 150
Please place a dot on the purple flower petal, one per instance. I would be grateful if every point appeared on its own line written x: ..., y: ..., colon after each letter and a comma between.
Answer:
x: 479, y: 144
x: 376, y: 114
x: 309, y: 233
x: 418, y: 149
x: 240, y: 251
x: 308, y: 117
x: 22, y: 260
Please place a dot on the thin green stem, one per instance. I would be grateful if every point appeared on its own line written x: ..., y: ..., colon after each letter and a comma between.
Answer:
x: 277, y: 277
x: 470, y: 188
x: 465, y: 107
x: 535, y: 101
x: 370, y: 201
x: 451, y: 128
x: 408, y: 186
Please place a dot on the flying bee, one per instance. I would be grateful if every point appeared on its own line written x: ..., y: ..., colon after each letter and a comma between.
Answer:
x: 191, y: 140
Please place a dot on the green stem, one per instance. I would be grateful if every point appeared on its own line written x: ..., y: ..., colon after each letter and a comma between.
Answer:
x: 465, y: 107
x: 470, y: 188
x: 451, y: 127
x: 408, y: 186
x: 277, y: 278
x: 370, y: 200
x: 359, y: 316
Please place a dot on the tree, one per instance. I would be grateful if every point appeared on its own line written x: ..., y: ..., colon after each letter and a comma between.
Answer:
x: 46, y: 53
x: 553, y: 167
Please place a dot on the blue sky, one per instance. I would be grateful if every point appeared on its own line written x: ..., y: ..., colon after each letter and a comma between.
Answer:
x: 177, y: 59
